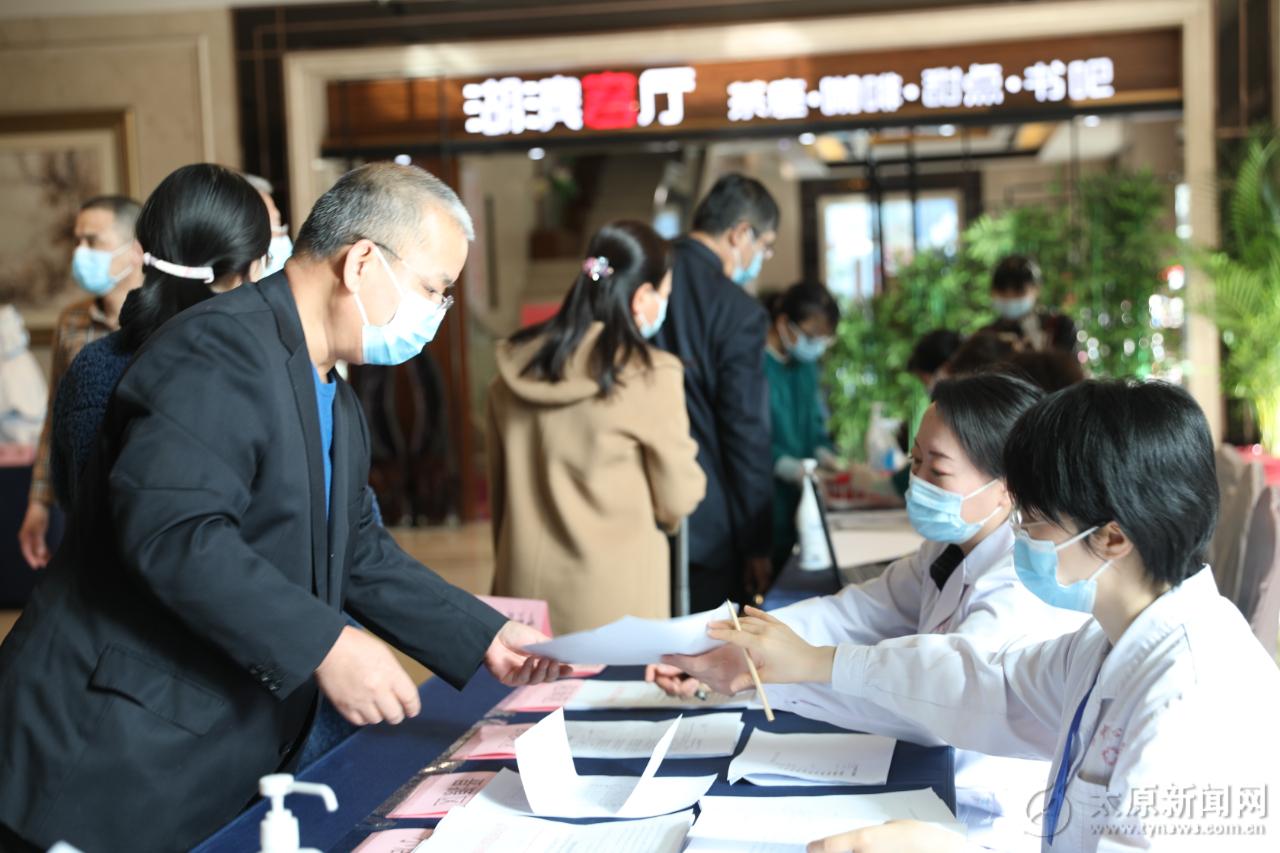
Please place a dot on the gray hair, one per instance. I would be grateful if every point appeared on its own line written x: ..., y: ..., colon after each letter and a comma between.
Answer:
x: 382, y: 202
x: 259, y: 183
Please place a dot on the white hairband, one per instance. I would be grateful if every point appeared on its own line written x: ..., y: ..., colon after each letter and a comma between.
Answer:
x: 204, y: 274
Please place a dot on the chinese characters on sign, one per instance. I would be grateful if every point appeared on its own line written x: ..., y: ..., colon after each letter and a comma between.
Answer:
x: 949, y: 87
x: 656, y: 97
x: 606, y: 101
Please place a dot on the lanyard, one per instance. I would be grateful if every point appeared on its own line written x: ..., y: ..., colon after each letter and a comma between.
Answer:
x: 1064, y: 767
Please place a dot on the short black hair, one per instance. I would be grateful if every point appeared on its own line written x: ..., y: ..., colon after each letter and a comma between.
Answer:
x: 980, y: 411
x: 732, y: 199
x: 1015, y: 274
x: 124, y: 209
x: 1136, y: 453
x: 933, y: 350
x: 803, y: 300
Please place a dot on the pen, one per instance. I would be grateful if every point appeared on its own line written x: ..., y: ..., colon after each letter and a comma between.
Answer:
x: 751, y: 665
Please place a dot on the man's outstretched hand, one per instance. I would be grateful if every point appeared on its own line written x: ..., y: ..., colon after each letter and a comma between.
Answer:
x: 513, y: 666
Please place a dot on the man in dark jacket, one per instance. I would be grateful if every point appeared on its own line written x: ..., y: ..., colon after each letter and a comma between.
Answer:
x: 718, y: 331
x: 173, y: 653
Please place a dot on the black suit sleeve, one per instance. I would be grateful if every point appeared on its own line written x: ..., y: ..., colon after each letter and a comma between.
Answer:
x: 179, y: 486
x: 742, y: 419
x: 445, y: 628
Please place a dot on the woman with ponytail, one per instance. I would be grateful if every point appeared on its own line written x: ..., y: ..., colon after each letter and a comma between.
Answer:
x: 589, y: 449
x: 203, y: 231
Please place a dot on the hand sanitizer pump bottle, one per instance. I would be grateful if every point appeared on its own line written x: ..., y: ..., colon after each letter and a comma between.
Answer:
x: 814, y: 553
x: 279, y: 833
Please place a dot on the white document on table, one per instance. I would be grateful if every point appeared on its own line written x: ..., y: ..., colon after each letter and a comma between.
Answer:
x: 870, y: 519
x: 813, y: 758
x: 787, y: 824
x: 862, y: 547
x: 467, y: 830
x: 549, y: 786
x: 631, y: 641
x: 642, y: 695
x: 704, y: 736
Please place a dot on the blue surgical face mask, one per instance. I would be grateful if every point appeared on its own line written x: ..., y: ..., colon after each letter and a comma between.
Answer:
x: 1014, y: 309
x: 650, y: 329
x: 91, y: 269
x: 806, y: 348
x: 936, y: 514
x: 1036, y: 562
x: 411, y: 328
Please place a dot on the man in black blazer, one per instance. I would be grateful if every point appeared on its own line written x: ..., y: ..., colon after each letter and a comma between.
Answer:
x: 173, y: 652
x: 718, y: 331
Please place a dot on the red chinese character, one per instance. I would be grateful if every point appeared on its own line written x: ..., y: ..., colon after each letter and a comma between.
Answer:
x: 609, y: 100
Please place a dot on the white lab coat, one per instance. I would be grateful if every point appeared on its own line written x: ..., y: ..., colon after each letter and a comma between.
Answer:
x: 984, y: 601
x: 1183, y: 713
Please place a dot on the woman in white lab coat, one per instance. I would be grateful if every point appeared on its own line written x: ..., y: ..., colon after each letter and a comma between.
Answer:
x: 960, y: 582
x: 1160, y: 716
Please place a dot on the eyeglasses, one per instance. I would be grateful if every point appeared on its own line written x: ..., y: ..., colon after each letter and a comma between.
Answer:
x: 1019, y: 521
x: 436, y: 296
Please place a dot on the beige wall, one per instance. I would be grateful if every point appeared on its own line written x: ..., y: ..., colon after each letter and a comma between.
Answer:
x: 174, y: 71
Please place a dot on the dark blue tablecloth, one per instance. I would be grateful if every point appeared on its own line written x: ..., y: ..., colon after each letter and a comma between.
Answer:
x: 367, y: 769
x: 378, y: 762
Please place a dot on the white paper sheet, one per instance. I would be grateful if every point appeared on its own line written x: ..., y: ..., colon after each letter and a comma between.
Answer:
x: 549, y: 786
x: 812, y: 758
x: 786, y: 824
x: 594, y: 796
x: 631, y: 641
x: 703, y: 736
x: 633, y: 695
x: 861, y: 547
x: 469, y: 831
x: 870, y: 519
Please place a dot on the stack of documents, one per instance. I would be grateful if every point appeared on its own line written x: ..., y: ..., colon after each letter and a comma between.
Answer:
x: 469, y: 831
x: 810, y: 758
x: 549, y: 786
x: 436, y: 796
x: 705, y: 736
x: 578, y: 695
x: 787, y: 824
x: 393, y: 841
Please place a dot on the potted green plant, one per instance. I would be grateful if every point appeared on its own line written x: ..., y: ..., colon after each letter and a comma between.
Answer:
x: 1102, y: 267
x: 1246, y: 288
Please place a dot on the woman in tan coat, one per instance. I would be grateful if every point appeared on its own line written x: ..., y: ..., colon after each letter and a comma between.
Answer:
x: 589, y: 446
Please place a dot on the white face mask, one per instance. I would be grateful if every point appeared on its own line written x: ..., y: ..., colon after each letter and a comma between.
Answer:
x: 411, y: 328
x: 1014, y: 308
x: 647, y: 329
x: 278, y: 251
